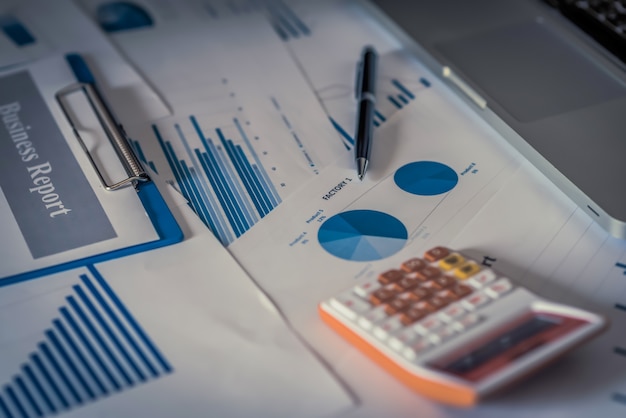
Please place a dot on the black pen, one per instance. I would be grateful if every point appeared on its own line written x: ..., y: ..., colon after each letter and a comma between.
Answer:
x: 365, y: 94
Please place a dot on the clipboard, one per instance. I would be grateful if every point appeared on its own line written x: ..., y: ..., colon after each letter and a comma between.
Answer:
x: 165, y: 232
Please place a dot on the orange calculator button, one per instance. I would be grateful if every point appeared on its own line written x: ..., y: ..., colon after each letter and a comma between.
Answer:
x: 414, y: 264
x: 436, y: 253
x: 390, y: 276
x: 428, y: 273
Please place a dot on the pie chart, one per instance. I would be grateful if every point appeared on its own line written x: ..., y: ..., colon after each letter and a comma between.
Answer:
x: 426, y: 178
x: 362, y: 235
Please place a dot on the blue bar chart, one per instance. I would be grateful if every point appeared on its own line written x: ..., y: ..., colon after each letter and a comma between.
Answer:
x: 393, y: 96
x: 93, y: 348
x: 223, y: 180
x: 284, y: 21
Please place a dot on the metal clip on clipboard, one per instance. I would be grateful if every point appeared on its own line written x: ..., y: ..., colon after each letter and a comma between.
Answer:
x: 114, y: 131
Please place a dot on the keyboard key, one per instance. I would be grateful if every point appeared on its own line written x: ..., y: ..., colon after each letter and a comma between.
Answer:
x: 452, y: 313
x: 442, y: 335
x: 364, y: 290
x: 349, y: 305
x: 481, y: 279
x: 428, y: 273
x: 437, y: 253
x: 414, y: 264
x: 390, y: 276
x: 387, y: 327
x: 412, y: 315
x: 499, y: 288
x: 466, y: 270
x: 384, y: 294
x: 475, y: 301
x: 409, y: 281
x: 368, y: 319
x: 402, y: 338
x: 467, y: 322
x: 451, y: 261
x: 428, y: 325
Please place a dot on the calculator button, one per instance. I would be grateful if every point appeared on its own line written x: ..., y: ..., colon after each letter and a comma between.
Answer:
x: 412, y: 315
x: 461, y: 290
x: 431, y: 285
x: 445, y: 281
x: 349, y: 305
x: 439, y: 302
x: 428, y: 273
x: 481, y: 279
x: 475, y: 301
x: 436, y: 253
x: 467, y: 322
x: 401, y: 339
x: 384, y: 294
x: 387, y: 327
x: 452, y: 313
x: 417, y: 348
x: 451, y: 261
x: 442, y: 335
x: 428, y: 325
x: 426, y: 306
x: 409, y: 281
x: 414, y: 264
x: 399, y: 304
x: 499, y: 288
x: 364, y: 290
x: 368, y: 319
x: 421, y: 293
x: 466, y: 270
x: 390, y: 276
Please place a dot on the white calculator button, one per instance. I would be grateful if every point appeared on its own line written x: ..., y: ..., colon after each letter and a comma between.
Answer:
x: 452, y: 312
x: 420, y: 346
x: 475, y: 301
x: 428, y: 325
x: 499, y: 288
x: 363, y: 290
x: 368, y: 319
x: 400, y: 340
x: 467, y: 322
x: 384, y: 329
x: 349, y: 305
x: 478, y: 281
x: 442, y: 335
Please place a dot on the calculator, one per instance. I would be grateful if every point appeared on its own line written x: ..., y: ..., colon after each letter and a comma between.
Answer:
x: 453, y: 329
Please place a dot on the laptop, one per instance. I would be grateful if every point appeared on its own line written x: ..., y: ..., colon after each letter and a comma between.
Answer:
x: 549, y: 75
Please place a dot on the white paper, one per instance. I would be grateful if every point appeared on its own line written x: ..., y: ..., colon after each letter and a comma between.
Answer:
x: 247, y: 130
x: 505, y: 211
x: 221, y: 351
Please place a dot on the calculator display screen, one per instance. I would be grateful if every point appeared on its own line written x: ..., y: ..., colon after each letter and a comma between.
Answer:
x: 514, y: 341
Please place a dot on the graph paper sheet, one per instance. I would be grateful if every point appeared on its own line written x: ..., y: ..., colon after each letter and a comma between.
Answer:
x: 438, y: 175
x: 246, y: 129
x: 161, y: 334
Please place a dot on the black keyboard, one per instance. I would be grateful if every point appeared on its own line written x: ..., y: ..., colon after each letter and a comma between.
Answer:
x: 604, y: 20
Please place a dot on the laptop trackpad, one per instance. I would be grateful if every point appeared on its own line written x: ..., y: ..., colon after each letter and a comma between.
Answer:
x: 531, y: 71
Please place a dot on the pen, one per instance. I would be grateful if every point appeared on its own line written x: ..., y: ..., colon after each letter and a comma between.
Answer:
x: 365, y: 94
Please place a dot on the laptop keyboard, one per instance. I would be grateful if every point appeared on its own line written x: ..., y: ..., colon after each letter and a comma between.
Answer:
x: 604, y: 20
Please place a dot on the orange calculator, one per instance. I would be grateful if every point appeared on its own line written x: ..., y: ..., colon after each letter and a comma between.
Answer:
x: 453, y: 329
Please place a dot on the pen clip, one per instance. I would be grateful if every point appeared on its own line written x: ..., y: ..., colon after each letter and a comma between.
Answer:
x: 113, y: 131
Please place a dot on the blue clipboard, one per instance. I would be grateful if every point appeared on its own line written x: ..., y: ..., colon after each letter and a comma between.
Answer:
x: 163, y: 222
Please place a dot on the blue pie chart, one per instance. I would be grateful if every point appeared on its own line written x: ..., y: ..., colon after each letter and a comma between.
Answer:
x: 426, y: 178
x: 362, y: 235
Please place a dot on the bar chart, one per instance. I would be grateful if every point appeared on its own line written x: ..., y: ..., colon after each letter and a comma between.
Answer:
x: 393, y: 95
x: 91, y: 349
